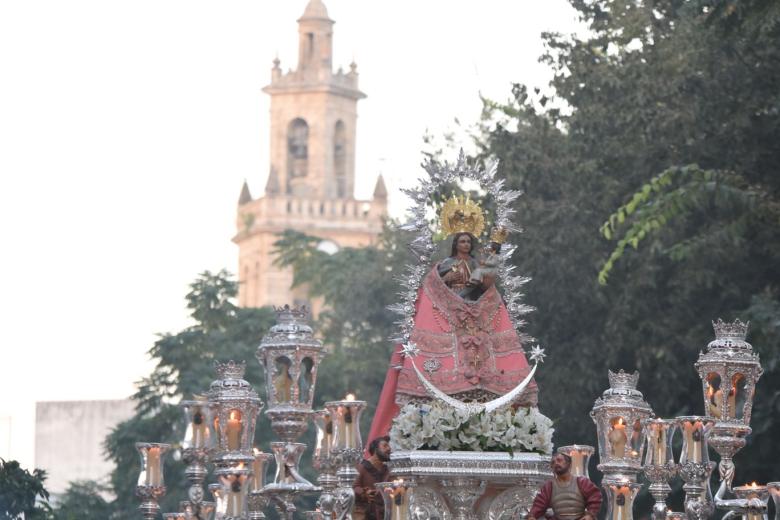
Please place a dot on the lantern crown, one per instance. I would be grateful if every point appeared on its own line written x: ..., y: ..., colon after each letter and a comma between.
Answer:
x: 230, y: 370
x: 622, y: 380
x: 291, y: 322
x: 736, y: 330
x: 287, y: 313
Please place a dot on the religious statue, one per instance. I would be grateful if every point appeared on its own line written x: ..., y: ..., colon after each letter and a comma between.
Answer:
x: 464, y: 337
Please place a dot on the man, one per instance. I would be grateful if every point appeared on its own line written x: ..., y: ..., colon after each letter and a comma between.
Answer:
x: 370, y: 471
x: 571, y: 498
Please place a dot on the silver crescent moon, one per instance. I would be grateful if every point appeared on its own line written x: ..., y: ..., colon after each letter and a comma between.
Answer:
x: 474, y: 408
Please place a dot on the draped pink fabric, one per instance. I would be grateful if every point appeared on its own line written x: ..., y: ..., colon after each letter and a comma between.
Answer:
x: 464, y: 346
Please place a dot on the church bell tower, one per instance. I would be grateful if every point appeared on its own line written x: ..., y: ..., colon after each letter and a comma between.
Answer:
x: 311, y: 181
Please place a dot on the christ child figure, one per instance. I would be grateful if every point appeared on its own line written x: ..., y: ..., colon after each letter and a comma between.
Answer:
x: 488, y: 265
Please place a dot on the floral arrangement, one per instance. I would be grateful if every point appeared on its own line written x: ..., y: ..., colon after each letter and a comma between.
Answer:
x: 436, y: 426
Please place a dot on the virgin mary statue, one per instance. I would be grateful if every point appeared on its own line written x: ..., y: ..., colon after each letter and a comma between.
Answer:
x: 467, y: 344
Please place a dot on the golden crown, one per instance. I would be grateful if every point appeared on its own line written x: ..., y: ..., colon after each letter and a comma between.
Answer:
x: 499, y: 235
x: 461, y: 214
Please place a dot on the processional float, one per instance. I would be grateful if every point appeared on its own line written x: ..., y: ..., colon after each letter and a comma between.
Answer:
x: 448, y: 484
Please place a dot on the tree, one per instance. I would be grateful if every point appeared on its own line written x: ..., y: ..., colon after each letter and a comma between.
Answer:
x: 221, y: 331
x: 84, y: 498
x: 667, y: 110
x: 20, y: 490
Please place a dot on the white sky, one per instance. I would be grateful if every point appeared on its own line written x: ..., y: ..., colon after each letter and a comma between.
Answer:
x: 127, y: 128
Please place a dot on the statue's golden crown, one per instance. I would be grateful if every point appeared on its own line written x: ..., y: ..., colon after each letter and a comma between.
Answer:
x: 461, y: 214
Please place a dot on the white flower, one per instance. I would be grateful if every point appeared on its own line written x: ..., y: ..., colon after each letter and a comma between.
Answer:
x: 438, y: 426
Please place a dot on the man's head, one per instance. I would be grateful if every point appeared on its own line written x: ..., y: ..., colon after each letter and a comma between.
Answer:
x: 560, y: 464
x: 381, y: 448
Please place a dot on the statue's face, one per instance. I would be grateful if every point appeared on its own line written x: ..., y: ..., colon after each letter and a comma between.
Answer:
x: 464, y: 244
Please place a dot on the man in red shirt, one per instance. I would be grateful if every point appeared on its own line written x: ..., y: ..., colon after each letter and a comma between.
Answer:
x: 571, y: 498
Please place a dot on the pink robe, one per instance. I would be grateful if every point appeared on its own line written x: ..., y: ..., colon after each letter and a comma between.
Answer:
x: 464, y: 346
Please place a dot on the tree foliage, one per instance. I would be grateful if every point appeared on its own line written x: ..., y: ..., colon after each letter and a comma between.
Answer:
x: 84, y: 498
x: 668, y: 111
x: 23, y: 493
x: 221, y: 331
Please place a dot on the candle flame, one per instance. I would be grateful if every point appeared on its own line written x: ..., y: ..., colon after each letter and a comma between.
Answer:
x: 350, y: 397
x: 235, y: 415
x: 754, y: 485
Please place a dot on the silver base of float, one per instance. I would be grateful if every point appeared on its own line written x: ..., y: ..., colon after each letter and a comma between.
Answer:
x: 468, y: 485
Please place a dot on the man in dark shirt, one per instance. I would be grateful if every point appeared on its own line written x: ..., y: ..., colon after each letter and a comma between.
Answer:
x: 370, y: 471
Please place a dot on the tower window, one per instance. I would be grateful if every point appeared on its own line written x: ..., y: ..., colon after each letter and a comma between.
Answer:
x: 297, y: 149
x: 340, y: 159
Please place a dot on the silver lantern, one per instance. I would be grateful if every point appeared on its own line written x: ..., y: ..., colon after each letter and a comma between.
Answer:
x: 290, y: 355
x: 729, y: 370
x: 235, y: 406
x: 618, y: 415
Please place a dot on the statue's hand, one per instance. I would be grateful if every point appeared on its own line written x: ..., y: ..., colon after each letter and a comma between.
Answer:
x: 451, y: 277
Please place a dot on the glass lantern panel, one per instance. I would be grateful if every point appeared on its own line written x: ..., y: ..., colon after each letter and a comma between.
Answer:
x: 658, y: 442
x: 637, y: 440
x: 618, y: 438
x: 305, y: 380
x: 714, y: 395
x: 694, y: 448
x: 737, y: 395
x: 282, y: 380
x: 234, y: 488
x: 198, y: 434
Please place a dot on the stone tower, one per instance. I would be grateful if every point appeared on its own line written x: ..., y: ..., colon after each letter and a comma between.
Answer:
x: 311, y: 181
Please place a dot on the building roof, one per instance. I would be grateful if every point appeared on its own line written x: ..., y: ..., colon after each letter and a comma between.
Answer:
x: 245, y: 196
x: 316, y: 10
x: 380, y: 190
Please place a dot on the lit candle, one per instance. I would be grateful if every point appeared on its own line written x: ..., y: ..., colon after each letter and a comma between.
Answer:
x: 399, y: 508
x: 153, y: 470
x: 349, y: 424
x: 234, y: 430
x: 327, y: 436
x: 693, y: 434
x: 235, y: 498
x: 757, y: 497
x: 617, y: 439
x: 622, y: 504
x: 341, y: 431
x: 199, y: 429
x: 660, y: 444
x: 349, y: 428
x: 577, y: 463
